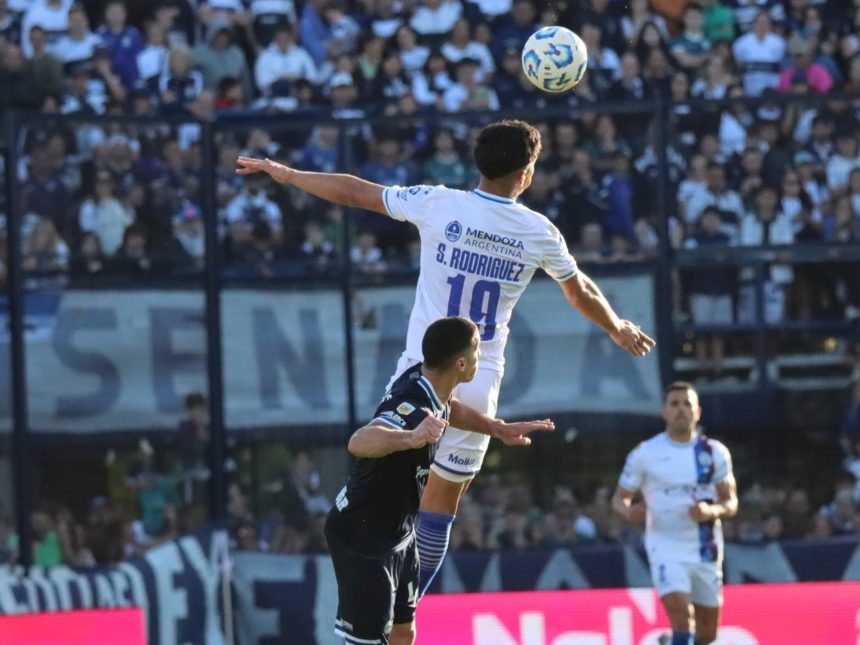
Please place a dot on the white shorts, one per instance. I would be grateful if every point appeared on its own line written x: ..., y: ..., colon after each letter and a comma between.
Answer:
x: 702, y: 581
x: 460, y: 453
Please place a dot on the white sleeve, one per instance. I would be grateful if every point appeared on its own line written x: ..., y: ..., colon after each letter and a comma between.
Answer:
x: 410, y: 204
x: 722, y: 463
x: 556, y: 260
x: 265, y: 72
x: 633, y: 476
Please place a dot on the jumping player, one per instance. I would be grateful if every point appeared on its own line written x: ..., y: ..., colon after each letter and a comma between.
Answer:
x: 371, y: 528
x: 687, y: 483
x: 479, y: 251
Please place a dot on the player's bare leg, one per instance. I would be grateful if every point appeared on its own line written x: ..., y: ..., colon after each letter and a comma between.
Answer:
x: 441, y: 495
x: 678, y: 610
x: 707, y: 622
x: 402, y: 634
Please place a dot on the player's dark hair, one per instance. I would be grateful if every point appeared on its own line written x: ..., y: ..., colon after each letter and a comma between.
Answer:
x: 505, y: 147
x: 679, y: 386
x: 446, y: 340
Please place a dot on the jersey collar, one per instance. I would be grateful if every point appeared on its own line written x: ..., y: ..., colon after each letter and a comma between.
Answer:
x: 493, y: 198
x: 431, y: 393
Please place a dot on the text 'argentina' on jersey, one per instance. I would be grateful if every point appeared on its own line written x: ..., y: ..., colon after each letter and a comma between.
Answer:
x: 482, y: 264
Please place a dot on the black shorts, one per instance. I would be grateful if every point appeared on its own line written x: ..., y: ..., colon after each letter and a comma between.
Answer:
x: 373, y: 592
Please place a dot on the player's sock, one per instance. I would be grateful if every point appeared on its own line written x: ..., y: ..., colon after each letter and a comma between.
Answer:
x: 682, y: 638
x: 434, y: 530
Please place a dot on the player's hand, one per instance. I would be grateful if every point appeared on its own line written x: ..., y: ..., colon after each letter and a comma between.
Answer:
x: 702, y: 512
x: 514, y: 434
x: 632, y: 339
x: 429, y: 431
x: 637, y: 513
x: 277, y: 171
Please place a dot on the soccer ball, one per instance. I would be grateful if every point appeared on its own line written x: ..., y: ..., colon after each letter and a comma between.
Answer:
x: 554, y: 59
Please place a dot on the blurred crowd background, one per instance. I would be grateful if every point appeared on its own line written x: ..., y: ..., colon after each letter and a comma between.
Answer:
x: 753, y: 105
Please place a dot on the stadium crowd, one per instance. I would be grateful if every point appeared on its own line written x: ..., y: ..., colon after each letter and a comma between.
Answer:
x: 124, y: 199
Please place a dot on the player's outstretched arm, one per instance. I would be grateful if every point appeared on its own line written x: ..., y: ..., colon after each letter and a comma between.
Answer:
x: 622, y: 504
x: 377, y: 440
x: 511, y: 434
x: 585, y: 296
x: 345, y: 190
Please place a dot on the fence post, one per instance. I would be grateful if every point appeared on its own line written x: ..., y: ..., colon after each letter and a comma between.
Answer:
x: 665, y: 316
x: 20, y: 422
x: 346, y: 292
x: 214, y: 359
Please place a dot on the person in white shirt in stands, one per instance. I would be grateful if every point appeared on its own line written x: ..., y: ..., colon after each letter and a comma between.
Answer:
x: 460, y: 45
x: 759, y: 55
x: 283, y: 60
x: 80, y: 43
x: 51, y: 15
x: 718, y: 194
x: 436, y: 17
x: 479, y: 251
x: 687, y: 486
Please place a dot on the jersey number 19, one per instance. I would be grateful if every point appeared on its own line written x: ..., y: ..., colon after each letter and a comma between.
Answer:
x: 482, y: 306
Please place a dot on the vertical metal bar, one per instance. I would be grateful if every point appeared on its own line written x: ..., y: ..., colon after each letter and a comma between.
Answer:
x: 762, y: 271
x: 663, y: 292
x: 18, y: 364
x: 214, y: 366
x: 346, y: 293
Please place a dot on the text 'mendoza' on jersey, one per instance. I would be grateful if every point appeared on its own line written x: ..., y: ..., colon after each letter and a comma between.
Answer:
x: 478, y: 254
x: 672, y: 477
x: 376, y: 511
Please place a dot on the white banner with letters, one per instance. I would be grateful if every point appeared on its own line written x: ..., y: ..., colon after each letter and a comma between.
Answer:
x: 123, y: 360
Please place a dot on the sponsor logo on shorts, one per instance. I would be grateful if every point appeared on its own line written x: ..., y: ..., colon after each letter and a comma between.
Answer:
x: 462, y: 461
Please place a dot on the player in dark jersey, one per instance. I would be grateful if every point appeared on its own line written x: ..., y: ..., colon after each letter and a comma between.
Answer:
x: 371, y: 528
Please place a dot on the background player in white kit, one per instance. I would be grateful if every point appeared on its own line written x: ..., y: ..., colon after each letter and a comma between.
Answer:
x: 479, y: 250
x: 687, y: 484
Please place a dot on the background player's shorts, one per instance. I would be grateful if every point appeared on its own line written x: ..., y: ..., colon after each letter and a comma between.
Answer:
x: 460, y: 453
x: 373, y: 592
x: 703, y: 581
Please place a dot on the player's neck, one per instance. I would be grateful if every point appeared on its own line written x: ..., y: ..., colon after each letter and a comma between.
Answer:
x: 443, y: 382
x: 499, y: 188
x: 683, y: 436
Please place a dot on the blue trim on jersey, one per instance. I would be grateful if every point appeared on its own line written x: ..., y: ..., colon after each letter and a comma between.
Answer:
x: 428, y: 387
x: 385, y: 202
x: 389, y: 423
x: 567, y: 275
x: 456, y: 472
x: 493, y: 198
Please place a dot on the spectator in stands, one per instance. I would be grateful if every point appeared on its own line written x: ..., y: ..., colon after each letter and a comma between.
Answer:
x: 44, y: 250
x: 468, y: 93
x: 618, y: 187
x: 391, y: 82
x: 718, y: 194
x: 715, y: 82
x: 179, y: 83
x: 515, y: 30
x: 366, y: 257
x: 843, y: 161
x: 314, y: 32
x: 156, y: 495
x: 803, y: 69
x: 123, y: 41
x: 691, y: 48
x: 104, y: 215
x: 19, y: 89
x: 151, y: 60
x: 387, y: 167
x: 89, y: 261
x: 604, y: 66
x: 569, y: 526
x: 282, y: 63
x: 318, y: 252
x: 219, y: 57
x: 133, y: 257
x: 79, y: 44
x: 747, y: 12
x: 343, y: 97
x: 759, y: 55
x: 640, y: 15
x: 250, y: 207
x: 460, y: 45
x: 72, y: 540
x: 51, y: 15
x: 413, y: 56
x: 435, y: 18
x: 445, y: 166
x: 47, y: 551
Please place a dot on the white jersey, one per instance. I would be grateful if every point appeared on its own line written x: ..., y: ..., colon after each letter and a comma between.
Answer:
x: 478, y: 254
x: 672, y: 477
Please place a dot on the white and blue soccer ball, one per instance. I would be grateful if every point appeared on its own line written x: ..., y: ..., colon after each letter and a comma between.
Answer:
x: 554, y: 59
